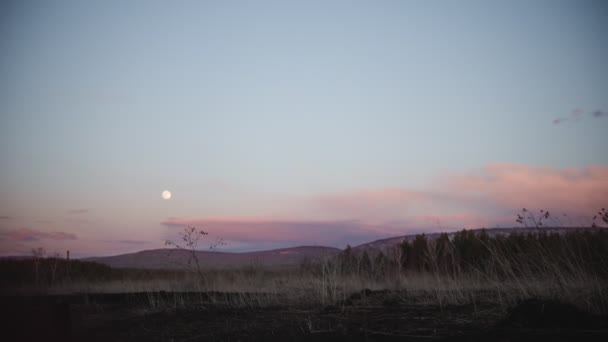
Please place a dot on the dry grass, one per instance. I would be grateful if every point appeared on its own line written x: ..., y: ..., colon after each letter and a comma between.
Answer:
x: 264, y: 289
x: 504, y: 280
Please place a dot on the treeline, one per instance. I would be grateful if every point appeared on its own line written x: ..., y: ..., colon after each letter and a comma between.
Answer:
x: 468, y: 252
x: 48, y: 271
x: 517, y: 255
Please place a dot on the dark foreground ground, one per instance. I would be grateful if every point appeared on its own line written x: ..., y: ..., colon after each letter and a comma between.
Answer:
x: 368, y: 316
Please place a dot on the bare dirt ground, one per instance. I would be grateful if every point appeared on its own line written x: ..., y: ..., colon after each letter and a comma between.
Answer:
x: 366, y: 316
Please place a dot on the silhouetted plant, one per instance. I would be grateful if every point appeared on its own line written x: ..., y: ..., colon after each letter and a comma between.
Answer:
x: 365, y: 264
x: 347, y: 260
x: 38, y: 254
x: 190, y: 238
x: 602, y: 215
x: 527, y: 217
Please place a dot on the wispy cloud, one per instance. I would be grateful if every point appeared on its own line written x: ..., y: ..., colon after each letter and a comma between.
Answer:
x: 365, y: 204
x: 600, y: 113
x: 483, y: 197
x: 577, y: 190
x: 131, y: 242
x: 27, y: 234
x: 578, y: 115
x: 77, y: 220
x: 307, y: 232
x: 78, y: 211
x: 486, y: 197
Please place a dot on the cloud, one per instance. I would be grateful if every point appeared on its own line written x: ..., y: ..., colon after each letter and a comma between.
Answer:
x: 77, y: 211
x: 251, y: 231
x: 511, y: 184
x: 128, y: 242
x: 77, y: 220
x: 578, y: 114
x: 27, y: 234
x: 599, y: 114
x: 5, y: 217
x: 575, y: 116
x: 485, y: 197
x: 132, y: 242
x: 366, y: 203
x: 577, y: 190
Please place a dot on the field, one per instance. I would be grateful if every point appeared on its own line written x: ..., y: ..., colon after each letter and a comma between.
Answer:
x: 471, y: 286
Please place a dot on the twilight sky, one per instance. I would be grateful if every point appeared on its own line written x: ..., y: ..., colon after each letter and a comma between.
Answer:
x: 283, y: 123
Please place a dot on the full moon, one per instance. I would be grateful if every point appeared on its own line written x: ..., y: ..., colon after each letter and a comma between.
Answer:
x: 166, y: 194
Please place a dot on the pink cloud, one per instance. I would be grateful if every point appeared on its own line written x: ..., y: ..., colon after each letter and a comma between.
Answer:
x: 573, y: 191
x: 372, y: 205
x: 487, y: 197
x: 271, y: 231
x: 447, y: 222
x: 27, y: 234
x: 77, y: 211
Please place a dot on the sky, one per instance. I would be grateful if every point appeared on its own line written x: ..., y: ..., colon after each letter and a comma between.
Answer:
x: 285, y: 123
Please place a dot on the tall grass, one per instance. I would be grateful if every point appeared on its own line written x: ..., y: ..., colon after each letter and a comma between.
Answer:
x: 468, y: 268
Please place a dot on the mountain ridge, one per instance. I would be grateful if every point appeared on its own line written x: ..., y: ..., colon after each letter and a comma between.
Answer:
x: 175, y: 258
x: 281, y: 258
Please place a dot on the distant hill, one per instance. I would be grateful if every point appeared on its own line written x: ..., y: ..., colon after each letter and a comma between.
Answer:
x: 278, y: 259
x: 285, y: 258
